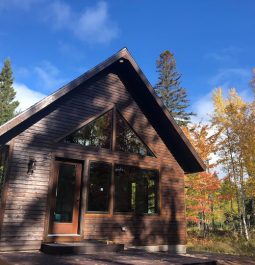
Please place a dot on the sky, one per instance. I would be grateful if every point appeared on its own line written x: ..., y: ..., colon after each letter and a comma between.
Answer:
x: 51, y: 42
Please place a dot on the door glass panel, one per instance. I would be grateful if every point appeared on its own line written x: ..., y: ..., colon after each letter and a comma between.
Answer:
x: 65, y: 193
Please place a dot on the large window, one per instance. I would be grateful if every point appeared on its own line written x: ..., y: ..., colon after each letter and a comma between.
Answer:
x: 136, y: 190
x: 99, y: 186
x: 97, y: 133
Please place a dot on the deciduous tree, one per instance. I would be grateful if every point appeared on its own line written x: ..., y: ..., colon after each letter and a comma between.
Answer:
x: 202, y: 188
x: 233, y: 117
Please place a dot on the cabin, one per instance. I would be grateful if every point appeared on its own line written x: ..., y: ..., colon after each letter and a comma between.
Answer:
x: 102, y: 159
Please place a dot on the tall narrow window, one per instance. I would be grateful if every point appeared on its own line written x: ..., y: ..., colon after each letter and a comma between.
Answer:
x: 136, y: 190
x: 99, y: 186
x: 97, y: 133
x: 127, y: 140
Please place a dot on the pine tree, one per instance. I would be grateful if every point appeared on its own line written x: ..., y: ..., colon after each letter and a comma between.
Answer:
x: 169, y: 89
x: 7, y: 93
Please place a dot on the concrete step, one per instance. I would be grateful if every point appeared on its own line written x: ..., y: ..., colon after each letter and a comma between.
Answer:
x: 83, y: 247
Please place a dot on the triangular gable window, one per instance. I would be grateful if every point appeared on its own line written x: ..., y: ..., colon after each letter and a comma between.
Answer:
x: 97, y: 133
x: 127, y: 140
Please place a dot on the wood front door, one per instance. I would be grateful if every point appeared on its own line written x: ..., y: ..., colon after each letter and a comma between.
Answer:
x: 66, y: 198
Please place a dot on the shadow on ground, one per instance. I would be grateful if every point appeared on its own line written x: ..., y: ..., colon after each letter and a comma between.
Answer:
x: 129, y: 257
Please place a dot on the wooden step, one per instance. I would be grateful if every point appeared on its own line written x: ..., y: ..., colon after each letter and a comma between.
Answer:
x: 83, y: 247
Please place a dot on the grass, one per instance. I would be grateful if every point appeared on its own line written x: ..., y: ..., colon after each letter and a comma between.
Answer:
x: 221, y: 242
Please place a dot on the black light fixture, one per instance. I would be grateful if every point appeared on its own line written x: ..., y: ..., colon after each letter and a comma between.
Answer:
x: 31, y: 166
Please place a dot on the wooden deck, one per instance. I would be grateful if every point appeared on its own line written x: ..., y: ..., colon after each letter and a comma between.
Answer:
x: 77, y: 248
x: 127, y: 257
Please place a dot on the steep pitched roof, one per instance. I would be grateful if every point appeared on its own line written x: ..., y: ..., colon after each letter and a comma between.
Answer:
x: 123, y: 64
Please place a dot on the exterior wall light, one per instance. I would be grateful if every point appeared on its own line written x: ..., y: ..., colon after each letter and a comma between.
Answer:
x: 31, y: 166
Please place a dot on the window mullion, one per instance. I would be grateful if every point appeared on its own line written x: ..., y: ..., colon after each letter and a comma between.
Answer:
x: 114, y: 129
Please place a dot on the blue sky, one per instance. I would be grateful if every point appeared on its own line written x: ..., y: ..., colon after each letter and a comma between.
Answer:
x: 52, y: 42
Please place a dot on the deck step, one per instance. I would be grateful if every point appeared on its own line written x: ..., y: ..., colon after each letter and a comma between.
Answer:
x: 83, y: 247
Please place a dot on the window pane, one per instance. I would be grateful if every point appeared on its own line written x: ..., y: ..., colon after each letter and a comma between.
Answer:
x: 99, y: 186
x: 127, y: 140
x: 125, y: 189
x: 65, y: 193
x: 135, y: 189
x: 97, y: 133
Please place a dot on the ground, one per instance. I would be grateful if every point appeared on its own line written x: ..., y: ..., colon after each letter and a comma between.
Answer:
x: 129, y: 257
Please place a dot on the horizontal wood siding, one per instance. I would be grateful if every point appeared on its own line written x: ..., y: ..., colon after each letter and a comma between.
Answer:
x: 26, y: 203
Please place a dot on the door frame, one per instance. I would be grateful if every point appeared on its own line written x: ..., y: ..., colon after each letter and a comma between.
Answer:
x: 51, y: 202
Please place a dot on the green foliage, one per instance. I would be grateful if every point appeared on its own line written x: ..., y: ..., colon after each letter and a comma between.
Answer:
x: 7, y: 94
x: 169, y: 89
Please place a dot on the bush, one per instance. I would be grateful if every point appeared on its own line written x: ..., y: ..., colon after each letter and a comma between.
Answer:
x: 221, y: 241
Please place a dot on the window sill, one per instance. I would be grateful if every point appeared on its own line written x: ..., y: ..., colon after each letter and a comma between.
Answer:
x: 136, y: 214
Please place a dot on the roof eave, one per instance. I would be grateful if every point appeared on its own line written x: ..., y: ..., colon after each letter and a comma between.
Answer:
x: 123, y: 53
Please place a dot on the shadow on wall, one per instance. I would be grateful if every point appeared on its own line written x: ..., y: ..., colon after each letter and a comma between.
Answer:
x: 26, y: 203
x: 141, y: 230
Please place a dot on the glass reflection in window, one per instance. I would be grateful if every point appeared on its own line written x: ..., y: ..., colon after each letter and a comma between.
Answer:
x: 97, y: 133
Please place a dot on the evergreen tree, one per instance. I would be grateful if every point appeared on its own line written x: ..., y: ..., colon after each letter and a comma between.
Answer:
x: 169, y: 89
x: 7, y: 93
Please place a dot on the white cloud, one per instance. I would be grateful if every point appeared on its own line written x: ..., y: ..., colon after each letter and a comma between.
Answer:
x: 26, y: 96
x: 231, y: 77
x: 93, y: 25
x: 21, y: 4
x: 228, y: 55
x: 48, y: 76
x: 203, y: 107
x: 60, y: 15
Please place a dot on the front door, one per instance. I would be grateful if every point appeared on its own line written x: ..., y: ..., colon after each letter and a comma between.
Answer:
x: 66, y: 198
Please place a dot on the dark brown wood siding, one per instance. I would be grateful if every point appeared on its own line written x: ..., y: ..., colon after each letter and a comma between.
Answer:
x: 26, y: 203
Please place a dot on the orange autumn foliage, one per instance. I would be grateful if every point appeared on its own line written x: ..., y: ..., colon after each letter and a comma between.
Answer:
x: 201, y: 192
x: 202, y: 188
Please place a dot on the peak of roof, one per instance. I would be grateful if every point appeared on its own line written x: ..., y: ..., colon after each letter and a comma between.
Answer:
x: 173, y: 128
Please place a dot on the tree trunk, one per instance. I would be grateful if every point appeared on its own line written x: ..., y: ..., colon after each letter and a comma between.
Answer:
x: 246, y: 232
x: 234, y: 171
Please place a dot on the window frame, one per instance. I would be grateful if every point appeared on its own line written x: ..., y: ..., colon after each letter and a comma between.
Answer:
x: 112, y: 192
x: 113, y: 138
x: 110, y: 189
x: 117, y: 112
x: 158, y: 204
x: 86, y: 123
